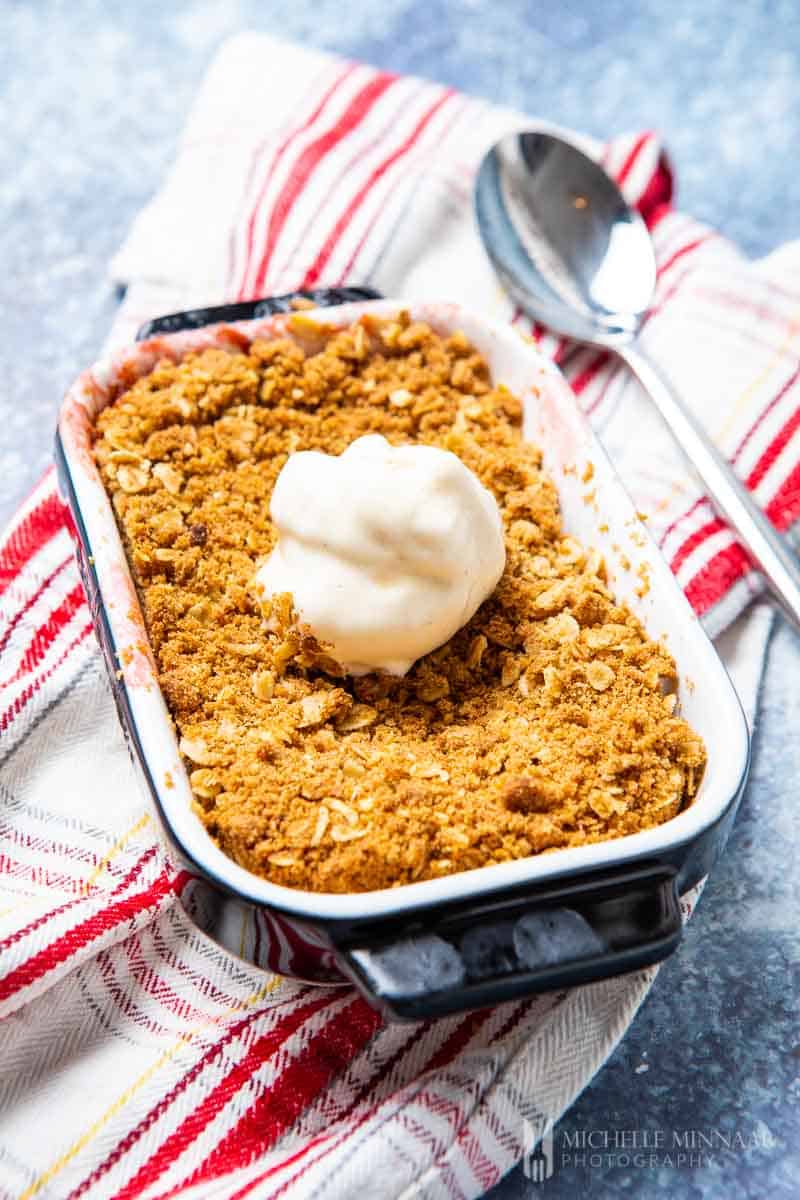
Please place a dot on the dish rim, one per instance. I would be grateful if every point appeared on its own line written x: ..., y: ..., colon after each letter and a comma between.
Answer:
x: 153, y: 730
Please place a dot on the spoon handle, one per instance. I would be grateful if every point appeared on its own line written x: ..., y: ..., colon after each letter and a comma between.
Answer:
x: 768, y: 550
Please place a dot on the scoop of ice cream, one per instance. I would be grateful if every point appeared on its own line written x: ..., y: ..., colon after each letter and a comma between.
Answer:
x: 386, y: 550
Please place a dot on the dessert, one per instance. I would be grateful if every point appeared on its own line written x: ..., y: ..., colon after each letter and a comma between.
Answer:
x: 547, y: 720
x: 386, y: 551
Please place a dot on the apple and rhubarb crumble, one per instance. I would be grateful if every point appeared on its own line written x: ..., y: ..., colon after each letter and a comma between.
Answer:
x: 547, y: 720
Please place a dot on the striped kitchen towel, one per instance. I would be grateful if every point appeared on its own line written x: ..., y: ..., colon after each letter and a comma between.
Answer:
x: 138, y: 1059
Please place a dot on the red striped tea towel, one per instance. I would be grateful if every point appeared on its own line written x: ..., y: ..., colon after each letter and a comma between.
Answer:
x: 136, y: 1058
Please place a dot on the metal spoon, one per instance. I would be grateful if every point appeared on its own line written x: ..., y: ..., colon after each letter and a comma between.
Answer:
x: 574, y: 256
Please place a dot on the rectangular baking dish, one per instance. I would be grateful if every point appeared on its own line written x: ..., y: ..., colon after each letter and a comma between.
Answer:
x: 480, y: 936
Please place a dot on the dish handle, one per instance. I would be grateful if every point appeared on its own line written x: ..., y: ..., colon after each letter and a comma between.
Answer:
x: 486, y: 952
x: 249, y: 310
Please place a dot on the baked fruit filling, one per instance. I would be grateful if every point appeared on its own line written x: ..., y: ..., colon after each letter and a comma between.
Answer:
x: 548, y: 720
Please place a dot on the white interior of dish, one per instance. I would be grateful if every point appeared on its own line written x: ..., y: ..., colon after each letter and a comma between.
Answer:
x: 607, y: 520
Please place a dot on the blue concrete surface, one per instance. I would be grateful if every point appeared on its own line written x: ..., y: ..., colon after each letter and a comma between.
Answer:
x: 92, y: 99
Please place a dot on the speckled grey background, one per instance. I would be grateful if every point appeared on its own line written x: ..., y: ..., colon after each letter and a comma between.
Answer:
x: 92, y: 98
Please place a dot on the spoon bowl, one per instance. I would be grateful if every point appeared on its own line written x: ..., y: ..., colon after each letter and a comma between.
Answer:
x: 566, y: 245
x: 574, y: 256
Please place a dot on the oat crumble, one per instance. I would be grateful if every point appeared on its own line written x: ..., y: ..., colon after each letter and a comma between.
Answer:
x: 548, y: 721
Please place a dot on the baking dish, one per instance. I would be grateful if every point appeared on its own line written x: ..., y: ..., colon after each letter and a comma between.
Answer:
x: 477, y: 937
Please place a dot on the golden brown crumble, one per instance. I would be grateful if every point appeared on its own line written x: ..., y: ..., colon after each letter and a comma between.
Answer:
x: 547, y: 721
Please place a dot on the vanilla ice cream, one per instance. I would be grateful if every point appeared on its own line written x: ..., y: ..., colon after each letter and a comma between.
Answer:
x: 386, y: 550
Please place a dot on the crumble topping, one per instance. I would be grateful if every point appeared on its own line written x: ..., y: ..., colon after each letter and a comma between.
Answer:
x: 547, y: 721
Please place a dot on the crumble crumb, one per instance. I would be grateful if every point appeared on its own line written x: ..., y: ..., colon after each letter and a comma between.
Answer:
x: 547, y: 721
